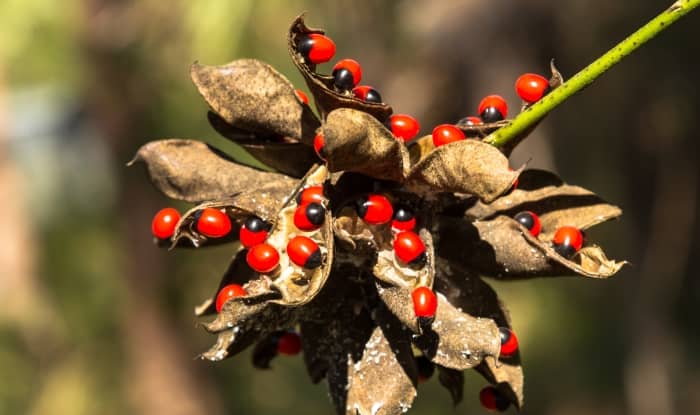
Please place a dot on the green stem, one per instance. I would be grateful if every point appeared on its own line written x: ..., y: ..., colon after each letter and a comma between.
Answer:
x: 585, y: 77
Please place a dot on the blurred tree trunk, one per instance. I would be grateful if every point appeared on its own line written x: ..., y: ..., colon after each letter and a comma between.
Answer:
x: 160, y: 376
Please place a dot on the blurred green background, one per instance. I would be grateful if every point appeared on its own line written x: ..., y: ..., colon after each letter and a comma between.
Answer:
x: 96, y: 319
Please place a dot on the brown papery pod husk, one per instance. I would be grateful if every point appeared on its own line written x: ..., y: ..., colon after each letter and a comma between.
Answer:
x: 375, y: 242
x: 253, y: 96
x: 298, y: 285
x: 383, y: 380
x: 390, y: 269
x: 555, y: 202
x: 475, y: 297
x: 466, y: 166
x: 321, y: 86
x: 480, y: 130
x: 502, y: 248
x: 252, y: 203
x: 245, y: 320
x: 229, y: 343
x: 357, y: 142
x: 419, y: 148
x: 194, y: 171
x: 455, y: 339
x: 453, y: 381
x: 286, y: 156
x: 334, y: 331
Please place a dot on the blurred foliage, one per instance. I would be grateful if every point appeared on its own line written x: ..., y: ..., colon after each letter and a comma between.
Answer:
x: 97, y: 320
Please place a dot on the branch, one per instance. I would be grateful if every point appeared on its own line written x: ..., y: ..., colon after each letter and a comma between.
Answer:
x: 585, y: 77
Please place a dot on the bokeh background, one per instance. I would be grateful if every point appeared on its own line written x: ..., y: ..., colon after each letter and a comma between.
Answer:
x: 95, y: 319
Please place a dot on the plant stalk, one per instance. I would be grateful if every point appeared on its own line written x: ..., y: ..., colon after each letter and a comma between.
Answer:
x: 586, y: 76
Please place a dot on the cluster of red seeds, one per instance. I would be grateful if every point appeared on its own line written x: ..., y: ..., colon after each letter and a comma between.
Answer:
x: 347, y: 73
x: 376, y: 209
x: 567, y: 240
x: 493, y: 108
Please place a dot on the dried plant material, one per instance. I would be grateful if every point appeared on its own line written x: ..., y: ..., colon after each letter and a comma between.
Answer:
x: 296, y: 284
x: 378, y: 383
x: 419, y: 148
x: 455, y: 339
x: 555, y: 202
x: 390, y: 269
x: 503, y: 248
x: 475, y: 297
x: 193, y: 171
x: 284, y: 155
x: 466, y: 166
x: 321, y: 86
x: 252, y: 96
x: 507, y: 376
x: 453, y: 381
x: 339, y: 277
x: 355, y: 141
x: 229, y: 343
x: 479, y: 130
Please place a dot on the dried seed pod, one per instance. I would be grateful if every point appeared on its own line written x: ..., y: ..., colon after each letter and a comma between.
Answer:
x: 321, y: 86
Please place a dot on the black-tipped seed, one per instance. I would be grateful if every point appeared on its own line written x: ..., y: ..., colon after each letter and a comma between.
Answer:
x: 304, y: 252
x: 425, y: 323
x: 315, y: 213
x: 491, y: 114
x: 529, y: 220
x: 314, y: 260
x: 492, y: 399
x: 310, y: 216
x: 373, y: 96
x: 343, y: 79
x: 255, y: 224
x: 425, y: 367
x: 403, y: 213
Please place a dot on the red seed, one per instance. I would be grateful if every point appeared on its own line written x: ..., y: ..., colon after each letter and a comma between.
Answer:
x: 493, y: 108
x: 302, y: 96
x: 316, y: 48
x: 531, y: 87
x: 304, y: 252
x: 403, y: 126
x: 263, y: 258
x: 289, y: 344
x: 568, y: 238
x: 347, y: 73
x: 253, y: 231
x: 164, y: 222
x: 228, y: 292
x: 408, y: 246
x: 424, y: 302
x: 529, y: 220
x: 367, y: 94
x: 492, y: 399
x: 310, y: 194
x: 509, y: 342
x: 319, y: 142
x: 213, y: 223
x: 404, y: 219
x: 445, y: 134
x: 471, y: 120
x: 376, y: 209
x: 309, y: 216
